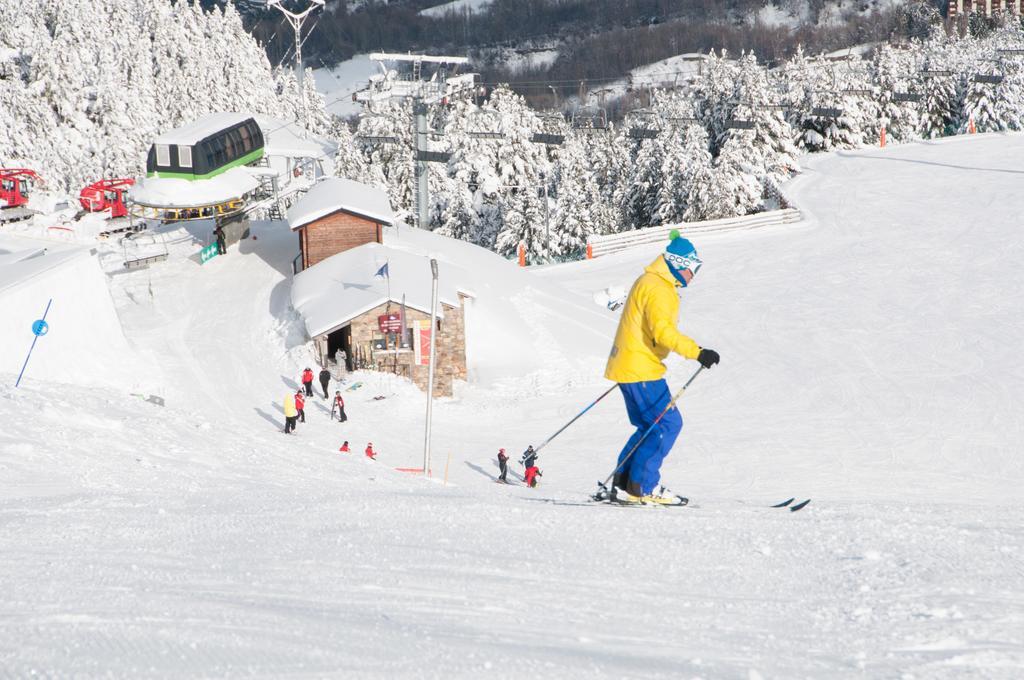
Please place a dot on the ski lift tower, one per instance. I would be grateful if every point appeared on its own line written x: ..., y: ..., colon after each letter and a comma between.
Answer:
x: 423, y: 93
x: 296, y: 19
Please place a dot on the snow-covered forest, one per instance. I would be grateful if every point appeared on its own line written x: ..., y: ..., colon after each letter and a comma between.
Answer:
x: 76, y: 107
x: 85, y: 85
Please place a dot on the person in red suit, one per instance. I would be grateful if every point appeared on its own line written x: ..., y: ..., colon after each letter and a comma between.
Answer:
x: 532, y: 473
x: 370, y: 453
x: 344, y: 447
x: 300, y: 405
x: 307, y: 381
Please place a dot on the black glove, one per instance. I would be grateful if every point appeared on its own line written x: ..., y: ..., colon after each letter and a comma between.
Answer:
x: 708, y: 358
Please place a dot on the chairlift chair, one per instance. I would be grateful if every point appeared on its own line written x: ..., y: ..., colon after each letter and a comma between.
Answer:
x: 826, y: 112
x: 378, y: 140
x: 483, y: 124
x: 907, y: 96
x: 739, y: 124
x: 590, y: 119
x: 988, y: 78
x: 643, y: 124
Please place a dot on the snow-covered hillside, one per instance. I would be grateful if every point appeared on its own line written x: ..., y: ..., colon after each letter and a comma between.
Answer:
x: 869, y: 362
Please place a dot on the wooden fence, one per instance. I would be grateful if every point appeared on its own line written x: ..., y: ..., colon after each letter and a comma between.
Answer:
x: 614, y: 243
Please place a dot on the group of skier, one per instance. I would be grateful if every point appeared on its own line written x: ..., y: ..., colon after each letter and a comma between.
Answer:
x: 369, y: 452
x: 529, y: 462
x: 295, y: 404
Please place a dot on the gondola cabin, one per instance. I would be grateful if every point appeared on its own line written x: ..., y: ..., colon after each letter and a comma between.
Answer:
x: 206, y: 148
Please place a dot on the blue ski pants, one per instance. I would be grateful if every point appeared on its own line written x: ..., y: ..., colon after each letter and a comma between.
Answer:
x: 644, y: 403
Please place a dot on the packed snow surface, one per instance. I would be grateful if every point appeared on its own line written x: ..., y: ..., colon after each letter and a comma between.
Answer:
x: 870, y: 360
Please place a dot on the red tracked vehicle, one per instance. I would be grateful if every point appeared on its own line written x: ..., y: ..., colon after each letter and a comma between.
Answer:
x: 106, y: 194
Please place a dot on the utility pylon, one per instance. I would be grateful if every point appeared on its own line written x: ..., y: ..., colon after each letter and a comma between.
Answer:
x: 296, y: 19
x: 423, y: 93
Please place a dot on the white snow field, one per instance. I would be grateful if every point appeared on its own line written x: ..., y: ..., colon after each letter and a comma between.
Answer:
x: 870, y: 360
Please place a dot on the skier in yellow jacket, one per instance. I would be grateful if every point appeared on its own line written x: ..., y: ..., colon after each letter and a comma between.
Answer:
x: 291, y: 414
x: 646, y: 335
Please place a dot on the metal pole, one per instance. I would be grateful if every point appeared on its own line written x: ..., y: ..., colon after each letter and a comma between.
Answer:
x: 430, y: 371
x: 300, y: 76
x: 547, y: 222
x: 422, y: 187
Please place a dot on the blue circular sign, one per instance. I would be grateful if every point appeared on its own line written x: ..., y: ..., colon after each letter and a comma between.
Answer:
x: 40, y: 327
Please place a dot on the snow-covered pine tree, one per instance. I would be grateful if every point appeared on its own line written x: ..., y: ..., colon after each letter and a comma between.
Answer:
x: 522, y: 169
x: 714, y: 96
x: 83, y: 107
x: 384, y: 137
x: 731, y: 188
x: 897, y: 72
x: 771, y: 140
x: 641, y: 193
x: 578, y: 207
x: 939, y: 105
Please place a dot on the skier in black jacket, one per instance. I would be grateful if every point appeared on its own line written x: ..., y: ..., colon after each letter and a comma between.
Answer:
x: 325, y: 380
x: 502, y: 465
x: 529, y: 457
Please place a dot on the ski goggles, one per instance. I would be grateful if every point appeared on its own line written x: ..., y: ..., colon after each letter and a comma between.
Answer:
x: 684, y: 262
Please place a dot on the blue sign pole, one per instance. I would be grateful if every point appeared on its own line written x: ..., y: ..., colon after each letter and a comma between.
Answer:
x: 39, y: 327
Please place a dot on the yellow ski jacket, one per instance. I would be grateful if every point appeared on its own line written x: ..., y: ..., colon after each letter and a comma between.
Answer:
x: 289, y: 406
x: 647, y: 330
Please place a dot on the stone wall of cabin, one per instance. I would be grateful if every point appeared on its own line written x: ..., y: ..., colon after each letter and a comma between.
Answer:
x: 450, y: 346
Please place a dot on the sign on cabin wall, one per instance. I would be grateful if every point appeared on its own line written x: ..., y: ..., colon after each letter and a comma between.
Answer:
x: 390, y: 323
x: 421, y: 341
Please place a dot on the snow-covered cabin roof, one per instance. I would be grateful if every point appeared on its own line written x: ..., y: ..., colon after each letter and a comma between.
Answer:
x: 333, y: 292
x: 334, y: 194
x: 170, y: 192
x: 281, y: 138
x: 198, y: 130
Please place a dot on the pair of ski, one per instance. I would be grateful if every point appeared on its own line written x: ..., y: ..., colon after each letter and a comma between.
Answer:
x: 608, y: 497
x: 793, y: 507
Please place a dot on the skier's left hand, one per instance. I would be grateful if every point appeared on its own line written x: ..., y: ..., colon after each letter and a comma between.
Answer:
x: 708, y: 357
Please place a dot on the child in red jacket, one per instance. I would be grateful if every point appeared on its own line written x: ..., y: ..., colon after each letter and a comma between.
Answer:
x: 370, y: 453
x: 300, y: 405
x: 532, y: 473
x: 344, y: 447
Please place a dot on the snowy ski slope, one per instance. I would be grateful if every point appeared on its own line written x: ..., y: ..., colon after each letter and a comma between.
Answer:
x: 870, y: 360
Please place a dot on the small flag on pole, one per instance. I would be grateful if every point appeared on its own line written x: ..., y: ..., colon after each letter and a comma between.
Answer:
x: 383, y: 272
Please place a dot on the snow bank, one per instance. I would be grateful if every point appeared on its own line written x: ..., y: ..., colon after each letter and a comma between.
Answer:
x: 85, y: 344
x: 518, y: 322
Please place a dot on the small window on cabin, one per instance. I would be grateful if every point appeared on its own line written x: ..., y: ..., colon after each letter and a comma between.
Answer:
x: 185, y: 156
x: 243, y: 133
x: 163, y: 155
x: 229, y: 148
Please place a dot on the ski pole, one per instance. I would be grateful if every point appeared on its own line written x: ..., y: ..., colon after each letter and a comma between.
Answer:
x: 578, y: 416
x: 661, y: 415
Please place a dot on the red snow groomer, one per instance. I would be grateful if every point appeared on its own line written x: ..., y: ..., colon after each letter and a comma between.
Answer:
x: 15, y: 187
x: 106, y: 194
